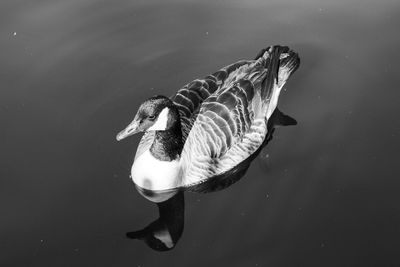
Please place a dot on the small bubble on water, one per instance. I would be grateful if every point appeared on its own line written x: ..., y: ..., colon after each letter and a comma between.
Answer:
x: 14, y: 33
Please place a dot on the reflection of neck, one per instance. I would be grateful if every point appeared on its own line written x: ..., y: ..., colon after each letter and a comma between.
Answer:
x: 172, y: 213
x: 165, y: 232
x: 168, y: 144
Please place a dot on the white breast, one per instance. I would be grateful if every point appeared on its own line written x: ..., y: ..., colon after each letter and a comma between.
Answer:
x: 154, y: 174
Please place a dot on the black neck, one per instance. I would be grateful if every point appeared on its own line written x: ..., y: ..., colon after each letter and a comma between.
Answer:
x: 168, y: 144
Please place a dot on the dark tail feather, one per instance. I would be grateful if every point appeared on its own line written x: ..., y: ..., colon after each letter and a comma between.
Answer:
x: 280, y: 63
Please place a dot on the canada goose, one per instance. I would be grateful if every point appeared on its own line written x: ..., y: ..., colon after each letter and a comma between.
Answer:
x: 210, y: 125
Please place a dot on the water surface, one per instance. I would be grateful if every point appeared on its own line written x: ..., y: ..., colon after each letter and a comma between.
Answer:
x: 72, y: 74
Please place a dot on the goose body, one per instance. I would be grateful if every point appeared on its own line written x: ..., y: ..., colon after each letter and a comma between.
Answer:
x: 210, y: 125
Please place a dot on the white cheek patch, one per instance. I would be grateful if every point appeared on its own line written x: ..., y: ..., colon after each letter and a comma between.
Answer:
x: 161, y: 122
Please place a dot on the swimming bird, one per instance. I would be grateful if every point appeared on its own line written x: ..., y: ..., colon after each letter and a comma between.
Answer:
x: 210, y: 125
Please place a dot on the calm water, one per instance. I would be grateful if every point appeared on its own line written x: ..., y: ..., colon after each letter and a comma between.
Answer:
x: 72, y: 74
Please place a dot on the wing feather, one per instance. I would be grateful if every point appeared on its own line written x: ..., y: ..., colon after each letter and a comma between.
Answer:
x: 191, y: 97
x: 224, y: 118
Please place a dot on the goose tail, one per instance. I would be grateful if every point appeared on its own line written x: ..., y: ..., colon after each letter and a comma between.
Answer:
x: 280, y: 63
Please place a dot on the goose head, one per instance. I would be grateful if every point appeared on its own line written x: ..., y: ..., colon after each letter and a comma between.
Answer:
x: 157, y: 113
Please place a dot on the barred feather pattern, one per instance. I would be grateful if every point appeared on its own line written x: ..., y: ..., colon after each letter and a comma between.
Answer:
x: 232, y: 122
x: 190, y: 97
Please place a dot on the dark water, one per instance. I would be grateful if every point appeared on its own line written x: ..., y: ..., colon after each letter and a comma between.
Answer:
x: 72, y: 74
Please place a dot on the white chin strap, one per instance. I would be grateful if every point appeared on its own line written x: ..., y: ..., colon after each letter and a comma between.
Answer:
x: 161, y: 122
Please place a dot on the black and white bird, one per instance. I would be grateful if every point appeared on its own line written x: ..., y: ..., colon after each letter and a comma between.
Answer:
x: 210, y: 125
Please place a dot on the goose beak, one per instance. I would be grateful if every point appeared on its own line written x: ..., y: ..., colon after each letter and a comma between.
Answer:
x: 129, y: 130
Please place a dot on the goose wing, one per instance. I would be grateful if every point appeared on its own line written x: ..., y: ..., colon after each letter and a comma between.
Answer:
x: 223, y: 119
x: 223, y: 122
x: 190, y: 97
x: 232, y: 123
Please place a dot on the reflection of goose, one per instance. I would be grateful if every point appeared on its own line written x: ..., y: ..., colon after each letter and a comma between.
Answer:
x: 164, y: 233
x: 210, y: 125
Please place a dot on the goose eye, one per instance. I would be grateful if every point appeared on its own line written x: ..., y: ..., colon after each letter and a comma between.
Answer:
x: 152, y: 117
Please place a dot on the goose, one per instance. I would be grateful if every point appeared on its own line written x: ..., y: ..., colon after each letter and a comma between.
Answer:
x: 210, y: 125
